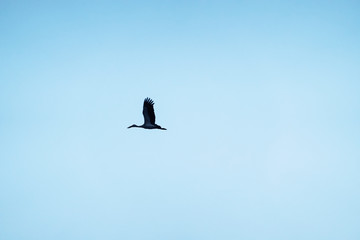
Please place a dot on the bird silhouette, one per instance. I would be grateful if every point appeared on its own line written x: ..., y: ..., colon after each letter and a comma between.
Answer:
x: 149, y: 116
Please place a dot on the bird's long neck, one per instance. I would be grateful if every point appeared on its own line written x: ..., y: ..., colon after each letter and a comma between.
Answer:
x: 134, y: 125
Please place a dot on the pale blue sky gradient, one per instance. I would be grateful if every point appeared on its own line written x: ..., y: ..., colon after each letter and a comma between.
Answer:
x: 261, y: 100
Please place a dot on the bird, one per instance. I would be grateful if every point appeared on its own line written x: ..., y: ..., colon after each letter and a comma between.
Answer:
x: 149, y: 116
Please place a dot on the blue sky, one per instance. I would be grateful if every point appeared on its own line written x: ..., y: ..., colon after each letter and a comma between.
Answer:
x: 260, y: 99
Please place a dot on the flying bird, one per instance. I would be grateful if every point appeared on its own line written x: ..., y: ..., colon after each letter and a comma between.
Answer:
x: 149, y: 116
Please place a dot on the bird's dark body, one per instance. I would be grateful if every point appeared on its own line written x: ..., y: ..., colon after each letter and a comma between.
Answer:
x: 149, y: 116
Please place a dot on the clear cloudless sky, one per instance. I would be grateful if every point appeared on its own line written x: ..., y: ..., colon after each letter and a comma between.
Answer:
x: 261, y: 100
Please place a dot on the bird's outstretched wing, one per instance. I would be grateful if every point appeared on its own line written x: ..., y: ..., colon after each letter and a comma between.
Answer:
x: 148, y: 111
